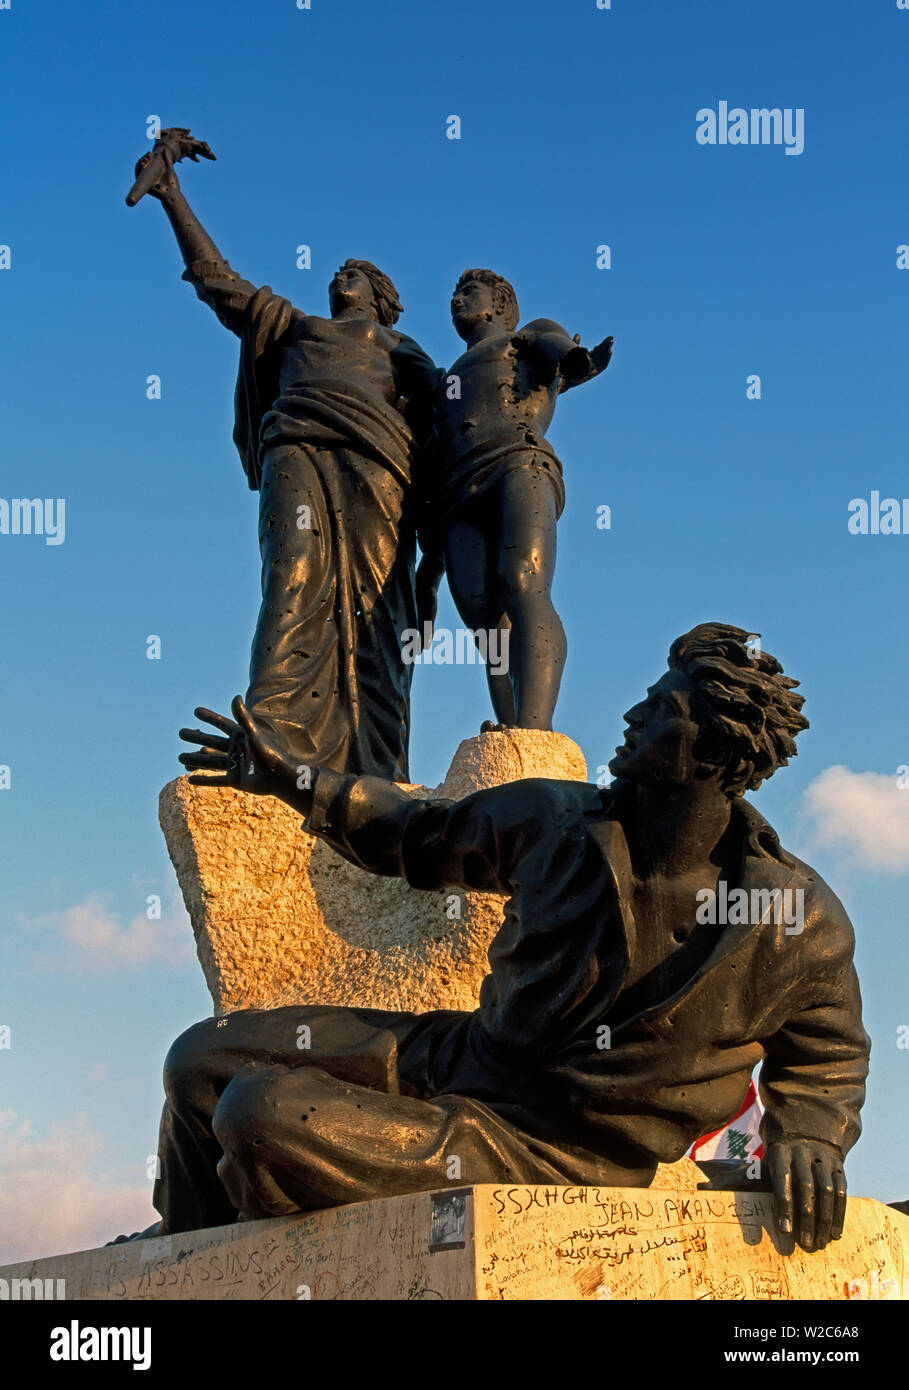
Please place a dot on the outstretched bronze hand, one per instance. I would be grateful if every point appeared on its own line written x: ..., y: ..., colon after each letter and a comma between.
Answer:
x: 581, y: 364
x: 245, y: 758
x: 809, y: 1190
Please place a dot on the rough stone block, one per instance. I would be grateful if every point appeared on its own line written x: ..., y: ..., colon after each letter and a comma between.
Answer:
x: 280, y: 918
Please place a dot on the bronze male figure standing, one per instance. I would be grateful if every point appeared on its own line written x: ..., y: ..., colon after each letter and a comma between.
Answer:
x: 497, y: 492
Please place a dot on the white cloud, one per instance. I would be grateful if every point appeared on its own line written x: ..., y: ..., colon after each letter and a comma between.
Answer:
x: 90, y: 937
x: 53, y: 1196
x: 864, y: 813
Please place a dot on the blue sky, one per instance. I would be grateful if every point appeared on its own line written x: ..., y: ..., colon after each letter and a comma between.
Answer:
x: 578, y: 129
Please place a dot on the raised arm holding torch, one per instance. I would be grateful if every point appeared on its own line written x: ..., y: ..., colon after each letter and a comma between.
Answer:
x: 172, y: 145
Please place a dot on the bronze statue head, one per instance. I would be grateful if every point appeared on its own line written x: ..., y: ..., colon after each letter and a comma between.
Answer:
x: 723, y: 710
x: 482, y: 296
x: 363, y: 284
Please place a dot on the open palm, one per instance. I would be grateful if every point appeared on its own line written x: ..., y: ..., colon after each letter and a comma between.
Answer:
x: 242, y: 756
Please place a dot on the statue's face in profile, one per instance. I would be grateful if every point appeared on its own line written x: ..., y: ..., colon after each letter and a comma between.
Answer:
x: 350, y: 289
x: 660, y: 738
x: 472, y: 303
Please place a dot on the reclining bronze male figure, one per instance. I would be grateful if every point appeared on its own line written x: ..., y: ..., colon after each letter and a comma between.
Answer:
x: 616, y: 1024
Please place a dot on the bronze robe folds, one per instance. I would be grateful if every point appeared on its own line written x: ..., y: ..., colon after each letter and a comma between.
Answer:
x: 332, y: 460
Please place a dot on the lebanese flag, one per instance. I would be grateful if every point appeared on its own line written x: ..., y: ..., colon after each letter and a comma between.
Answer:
x: 740, y: 1140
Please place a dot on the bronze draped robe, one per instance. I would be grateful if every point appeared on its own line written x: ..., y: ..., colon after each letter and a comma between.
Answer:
x: 327, y: 674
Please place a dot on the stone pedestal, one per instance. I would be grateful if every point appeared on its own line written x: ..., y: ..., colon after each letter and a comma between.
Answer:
x: 497, y: 1243
x: 279, y: 918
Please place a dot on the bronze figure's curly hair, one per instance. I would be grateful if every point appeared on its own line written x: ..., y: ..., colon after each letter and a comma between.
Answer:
x: 742, y: 700
x: 507, y: 296
x: 385, y: 296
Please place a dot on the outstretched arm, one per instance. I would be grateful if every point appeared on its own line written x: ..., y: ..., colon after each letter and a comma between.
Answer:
x: 475, y: 843
x: 561, y: 357
x: 580, y: 364
x: 482, y: 843
x: 372, y: 822
x: 206, y: 269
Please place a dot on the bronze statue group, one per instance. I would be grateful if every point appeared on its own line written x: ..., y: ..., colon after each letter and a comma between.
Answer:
x: 361, y: 449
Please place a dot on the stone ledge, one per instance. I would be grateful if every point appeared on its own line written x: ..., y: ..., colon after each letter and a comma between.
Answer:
x: 501, y: 1243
